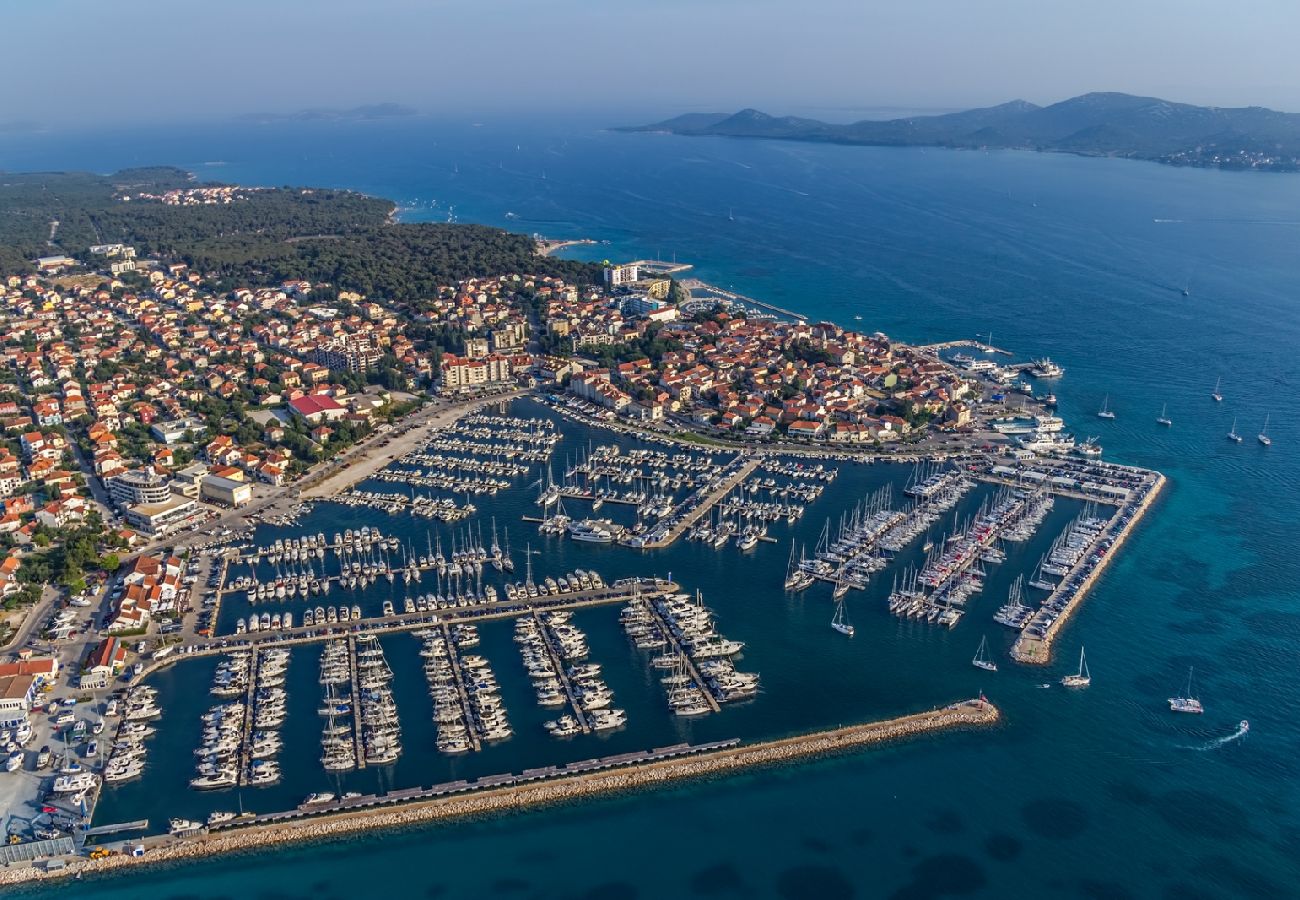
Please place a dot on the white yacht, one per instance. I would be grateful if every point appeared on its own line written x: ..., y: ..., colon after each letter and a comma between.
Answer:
x: 1083, y: 678
x: 1187, y: 702
x: 983, y: 659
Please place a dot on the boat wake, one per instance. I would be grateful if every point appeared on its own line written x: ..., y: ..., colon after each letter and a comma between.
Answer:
x: 1243, y: 728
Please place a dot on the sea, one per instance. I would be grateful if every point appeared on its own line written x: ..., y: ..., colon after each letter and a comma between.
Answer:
x: 1147, y: 283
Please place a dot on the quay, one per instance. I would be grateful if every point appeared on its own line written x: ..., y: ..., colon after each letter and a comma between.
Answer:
x: 707, y: 502
x: 467, y: 710
x: 668, y: 632
x: 548, y: 639
x: 619, y: 592
x: 1031, y: 649
x: 511, y: 793
x: 357, y: 745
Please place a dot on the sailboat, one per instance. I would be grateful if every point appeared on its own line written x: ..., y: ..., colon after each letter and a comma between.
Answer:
x: 1263, y: 434
x: 1218, y: 398
x: 983, y: 659
x: 1084, y: 678
x: 840, y: 622
x: 1163, y: 418
x: 1187, y: 703
x: 1105, y: 412
x: 1232, y: 435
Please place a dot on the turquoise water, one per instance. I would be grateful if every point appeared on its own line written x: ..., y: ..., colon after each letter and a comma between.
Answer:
x: 1095, y: 794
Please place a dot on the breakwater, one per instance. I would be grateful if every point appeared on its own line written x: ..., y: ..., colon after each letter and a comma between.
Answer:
x: 521, y: 793
x: 1033, y: 650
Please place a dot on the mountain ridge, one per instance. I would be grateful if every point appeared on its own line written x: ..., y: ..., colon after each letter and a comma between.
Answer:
x: 1099, y: 123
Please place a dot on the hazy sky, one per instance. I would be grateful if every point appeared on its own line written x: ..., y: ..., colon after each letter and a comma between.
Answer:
x: 77, y: 60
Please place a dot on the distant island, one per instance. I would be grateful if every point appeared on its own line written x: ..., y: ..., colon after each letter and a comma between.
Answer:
x: 355, y: 114
x: 1100, y: 124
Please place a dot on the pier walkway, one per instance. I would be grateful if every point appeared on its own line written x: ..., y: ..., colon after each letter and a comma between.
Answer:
x: 560, y: 672
x: 619, y: 592
x: 246, y: 729
x: 679, y: 649
x: 357, y: 742
x: 707, y: 502
x: 467, y: 709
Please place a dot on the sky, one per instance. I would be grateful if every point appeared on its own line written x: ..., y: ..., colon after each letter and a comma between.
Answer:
x: 90, y: 62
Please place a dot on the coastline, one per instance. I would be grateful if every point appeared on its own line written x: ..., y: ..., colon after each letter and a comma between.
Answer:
x: 546, y: 248
x: 493, y: 801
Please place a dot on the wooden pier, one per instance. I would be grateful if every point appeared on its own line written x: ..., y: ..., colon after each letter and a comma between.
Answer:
x: 560, y: 672
x: 358, y: 744
x: 690, y: 663
x: 453, y: 656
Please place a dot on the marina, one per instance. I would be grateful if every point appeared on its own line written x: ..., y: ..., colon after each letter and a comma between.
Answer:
x: 389, y: 652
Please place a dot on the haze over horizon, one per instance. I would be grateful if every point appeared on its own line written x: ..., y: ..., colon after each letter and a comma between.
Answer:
x: 833, y: 59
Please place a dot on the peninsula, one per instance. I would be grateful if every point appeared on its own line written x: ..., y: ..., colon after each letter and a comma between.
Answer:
x: 1097, y: 124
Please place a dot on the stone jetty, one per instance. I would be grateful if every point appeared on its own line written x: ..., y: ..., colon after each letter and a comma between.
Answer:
x: 519, y: 796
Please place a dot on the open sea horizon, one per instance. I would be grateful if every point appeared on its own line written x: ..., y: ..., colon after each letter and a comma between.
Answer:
x: 1096, y: 794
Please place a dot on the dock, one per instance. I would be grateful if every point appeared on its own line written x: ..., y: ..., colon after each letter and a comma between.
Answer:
x: 246, y: 729
x: 953, y: 345
x: 1032, y: 649
x: 104, y: 830
x: 690, y: 663
x: 453, y: 655
x: 707, y: 502
x: 356, y: 703
x: 561, y: 672
x: 694, y: 284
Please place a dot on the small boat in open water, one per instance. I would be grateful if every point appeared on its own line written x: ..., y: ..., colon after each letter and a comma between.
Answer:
x: 840, y: 621
x: 1083, y: 678
x: 983, y: 659
x: 1188, y: 702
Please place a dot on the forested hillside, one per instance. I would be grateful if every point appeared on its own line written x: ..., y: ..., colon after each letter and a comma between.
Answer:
x: 341, y: 237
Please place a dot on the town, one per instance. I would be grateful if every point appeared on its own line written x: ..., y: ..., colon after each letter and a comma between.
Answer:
x: 156, y: 415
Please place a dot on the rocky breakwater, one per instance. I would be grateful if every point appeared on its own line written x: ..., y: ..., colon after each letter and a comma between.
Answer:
x: 490, y: 801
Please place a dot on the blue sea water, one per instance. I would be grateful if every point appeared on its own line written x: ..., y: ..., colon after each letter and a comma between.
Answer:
x: 1096, y: 794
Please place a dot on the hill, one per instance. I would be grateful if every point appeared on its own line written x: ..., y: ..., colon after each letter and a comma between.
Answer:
x: 1108, y: 124
x: 342, y: 237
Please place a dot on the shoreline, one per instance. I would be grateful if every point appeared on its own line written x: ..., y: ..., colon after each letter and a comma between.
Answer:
x: 495, y: 801
x: 546, y: 248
